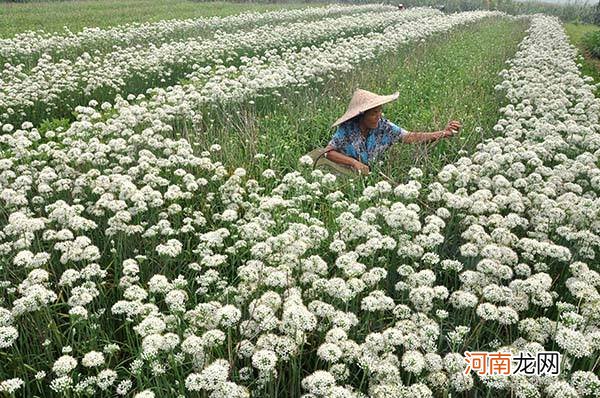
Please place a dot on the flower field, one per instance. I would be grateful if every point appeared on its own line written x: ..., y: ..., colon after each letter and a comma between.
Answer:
x: 136, y: 262
x: 54, y: 84
x: 28, y: 47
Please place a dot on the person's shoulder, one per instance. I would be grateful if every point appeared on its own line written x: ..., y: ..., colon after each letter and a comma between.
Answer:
x: 387, y: 126
x: 346, y: 128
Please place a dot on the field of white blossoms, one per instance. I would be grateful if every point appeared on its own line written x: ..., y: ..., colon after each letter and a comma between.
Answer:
x: 133, y: 263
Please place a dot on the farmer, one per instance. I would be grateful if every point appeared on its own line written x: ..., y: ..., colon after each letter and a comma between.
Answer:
x: 401, y: 6
x: 362, y: 134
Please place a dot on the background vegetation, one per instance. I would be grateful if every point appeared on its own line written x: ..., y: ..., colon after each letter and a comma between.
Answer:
x: 591, y: 42
x: 589, y: 65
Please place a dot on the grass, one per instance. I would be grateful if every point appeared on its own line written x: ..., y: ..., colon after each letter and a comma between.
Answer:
x: 75, y: 15
x: 576, y: 31
x: 590, y: 66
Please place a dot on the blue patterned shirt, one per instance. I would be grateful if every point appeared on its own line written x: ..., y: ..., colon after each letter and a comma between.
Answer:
x: 348, y: 140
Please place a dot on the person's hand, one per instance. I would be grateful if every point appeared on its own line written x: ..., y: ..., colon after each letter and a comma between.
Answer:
x: 452, y: 128
x: 361, y: 167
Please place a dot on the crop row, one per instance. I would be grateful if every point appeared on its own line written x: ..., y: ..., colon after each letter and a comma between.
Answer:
x: 26, y: 48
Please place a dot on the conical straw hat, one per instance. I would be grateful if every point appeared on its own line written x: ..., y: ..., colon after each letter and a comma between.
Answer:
x: 363, y: 100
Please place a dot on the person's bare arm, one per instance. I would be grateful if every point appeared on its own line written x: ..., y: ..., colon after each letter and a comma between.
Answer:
x: 413, y: 136
x: 340, y: 158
